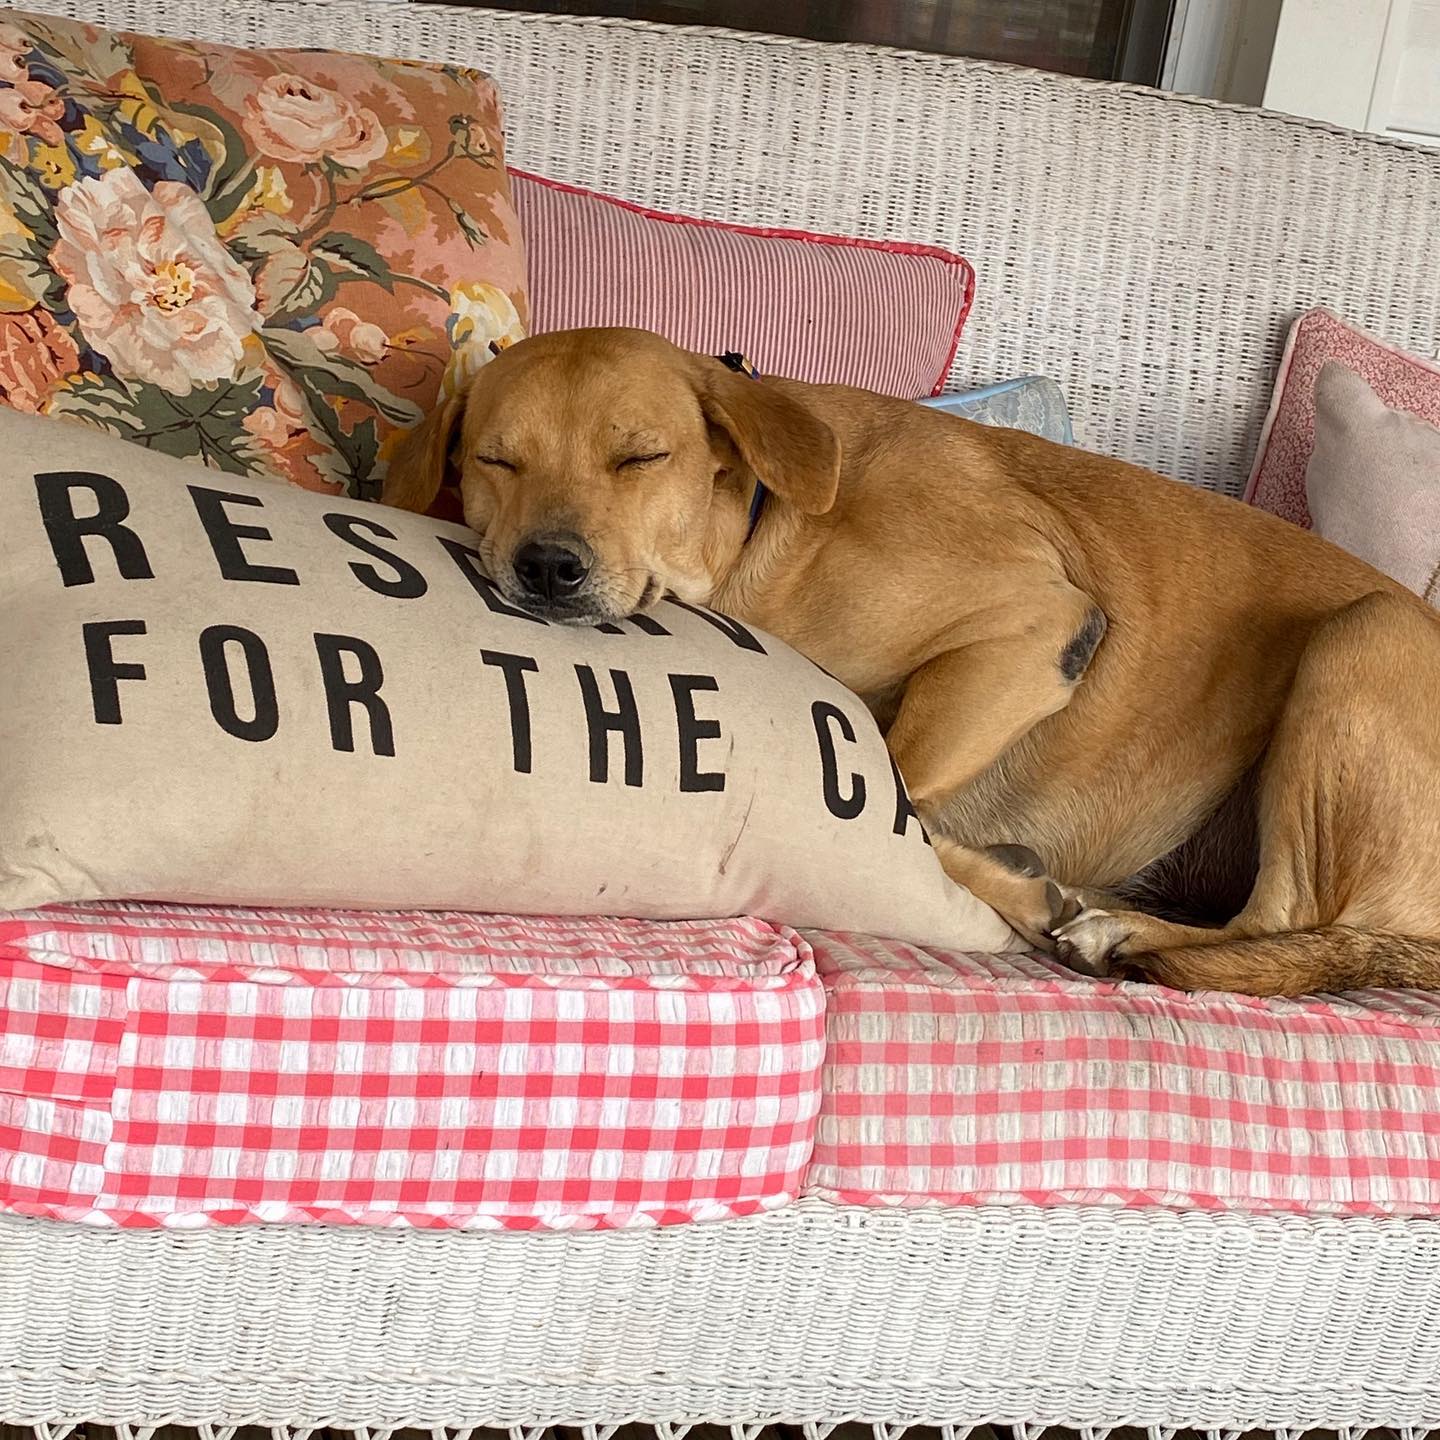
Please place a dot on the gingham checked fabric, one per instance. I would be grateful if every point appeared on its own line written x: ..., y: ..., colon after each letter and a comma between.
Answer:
x: 184, y: 1066
x: 983, y: 1079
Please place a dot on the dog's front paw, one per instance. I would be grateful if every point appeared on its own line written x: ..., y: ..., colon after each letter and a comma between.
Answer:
x: 1089, y: 942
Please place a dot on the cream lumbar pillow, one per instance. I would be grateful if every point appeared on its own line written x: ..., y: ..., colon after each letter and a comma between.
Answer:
x: 226, y: 691
x: 1373, y: 482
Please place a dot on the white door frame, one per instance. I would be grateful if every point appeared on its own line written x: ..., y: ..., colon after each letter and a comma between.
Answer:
x: 1221, y: 48
x: 1195, y: 54
x: 1338, y: 60
x: 1387, y: 73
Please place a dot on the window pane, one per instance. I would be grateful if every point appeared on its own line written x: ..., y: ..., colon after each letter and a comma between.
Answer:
x: 1079, y: 37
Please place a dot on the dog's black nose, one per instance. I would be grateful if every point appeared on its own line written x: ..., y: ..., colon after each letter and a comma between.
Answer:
x: 554, y: 568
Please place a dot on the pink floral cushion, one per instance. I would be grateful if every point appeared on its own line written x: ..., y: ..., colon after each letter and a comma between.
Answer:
x: 886, y: 317
x: 270, y: 261
x: 1401, y: 380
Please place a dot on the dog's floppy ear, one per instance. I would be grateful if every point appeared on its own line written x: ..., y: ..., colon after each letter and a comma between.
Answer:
x: 422, y: 458
x: 794, y: 452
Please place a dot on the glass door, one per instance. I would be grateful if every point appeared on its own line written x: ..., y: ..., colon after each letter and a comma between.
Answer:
x: 1105, y: 39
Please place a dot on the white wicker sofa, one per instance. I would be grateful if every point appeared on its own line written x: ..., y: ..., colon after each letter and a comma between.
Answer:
x: 1148, y: 253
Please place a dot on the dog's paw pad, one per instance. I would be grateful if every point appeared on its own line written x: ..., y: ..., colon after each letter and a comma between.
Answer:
x: 1088, y: 942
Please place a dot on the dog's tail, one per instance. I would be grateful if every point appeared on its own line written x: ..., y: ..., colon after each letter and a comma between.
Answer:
x: 1298, y: 962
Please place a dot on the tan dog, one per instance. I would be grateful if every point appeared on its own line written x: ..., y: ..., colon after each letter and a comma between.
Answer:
x: 1150, y: 694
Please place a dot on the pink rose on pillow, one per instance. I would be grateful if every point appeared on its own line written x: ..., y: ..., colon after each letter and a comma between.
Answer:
x: 30, y: 107
x: 152, y: 287
x: 360, y: 339
x: 273, y: 425
x: 295, y: 119
x: 15, y: 46
x: 34, y: 353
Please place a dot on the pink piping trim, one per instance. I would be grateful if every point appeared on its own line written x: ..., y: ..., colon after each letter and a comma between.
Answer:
x: 1262, y: 452
x: 895, y: 247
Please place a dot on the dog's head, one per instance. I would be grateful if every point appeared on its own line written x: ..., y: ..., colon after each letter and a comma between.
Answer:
x: 605, y: 468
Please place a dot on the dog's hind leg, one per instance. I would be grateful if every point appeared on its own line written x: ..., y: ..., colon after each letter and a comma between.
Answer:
x: 1348, y: 892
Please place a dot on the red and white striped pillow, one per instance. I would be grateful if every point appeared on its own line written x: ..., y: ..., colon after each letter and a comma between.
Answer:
x: 884, y: 316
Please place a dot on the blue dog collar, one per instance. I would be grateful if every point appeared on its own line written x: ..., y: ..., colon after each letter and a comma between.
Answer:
x: 734, y: 360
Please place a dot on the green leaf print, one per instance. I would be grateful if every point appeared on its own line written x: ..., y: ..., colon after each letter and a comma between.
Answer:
x: 23, y: 195
x: 349, y: 252
x: 359, y: 451
x: 229, y: 180
x: 26, y: 279
x: 313, y: 369
x: 206, y: 423
x: 290, y: 284
x: 100, y: 400
x: 260, y: 236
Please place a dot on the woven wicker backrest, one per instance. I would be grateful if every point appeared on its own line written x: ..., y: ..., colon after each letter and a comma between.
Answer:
x: 1146, y: 251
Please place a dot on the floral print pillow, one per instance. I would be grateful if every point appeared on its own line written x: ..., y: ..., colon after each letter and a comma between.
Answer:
x: 271, y: 261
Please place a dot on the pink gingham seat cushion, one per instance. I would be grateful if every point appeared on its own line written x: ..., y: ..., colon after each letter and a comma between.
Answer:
x: 984, y: 1079
x: 179, y: 1066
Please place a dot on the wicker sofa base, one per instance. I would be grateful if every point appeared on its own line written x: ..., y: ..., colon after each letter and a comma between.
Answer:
x: 818, y: 1313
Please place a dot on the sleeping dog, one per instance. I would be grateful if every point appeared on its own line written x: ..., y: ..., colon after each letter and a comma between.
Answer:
x: 1162, y: 733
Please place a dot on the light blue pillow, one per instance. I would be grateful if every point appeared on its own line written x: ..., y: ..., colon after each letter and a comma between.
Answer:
x: 1031, y: 403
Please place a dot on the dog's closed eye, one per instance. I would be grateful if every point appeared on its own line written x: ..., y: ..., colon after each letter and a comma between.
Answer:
x: 632, y: 461
x: 496, y: 461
